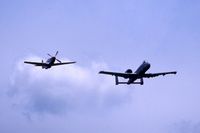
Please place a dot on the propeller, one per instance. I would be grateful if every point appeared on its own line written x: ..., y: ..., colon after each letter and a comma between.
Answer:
x: 56, y: 53
x: 55, y: 56
x: 49, y: 55
x: 59, y: 61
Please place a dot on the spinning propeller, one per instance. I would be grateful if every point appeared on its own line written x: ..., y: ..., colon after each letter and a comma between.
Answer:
x: 55, y: 57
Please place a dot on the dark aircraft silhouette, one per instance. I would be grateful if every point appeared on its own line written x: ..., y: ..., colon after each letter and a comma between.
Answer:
x: 139, y: 74
x: 49, y: 63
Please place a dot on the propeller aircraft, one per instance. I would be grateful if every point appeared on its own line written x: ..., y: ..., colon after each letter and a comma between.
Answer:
x: 49, y: 63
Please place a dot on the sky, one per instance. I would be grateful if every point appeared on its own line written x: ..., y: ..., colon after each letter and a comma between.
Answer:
x: 111, y: 35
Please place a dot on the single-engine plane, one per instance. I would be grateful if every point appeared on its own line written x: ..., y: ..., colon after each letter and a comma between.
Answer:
x: 50, y: 62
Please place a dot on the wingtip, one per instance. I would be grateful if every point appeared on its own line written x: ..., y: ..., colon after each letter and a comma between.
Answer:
x: 73, y: 62
x: 100, y: 72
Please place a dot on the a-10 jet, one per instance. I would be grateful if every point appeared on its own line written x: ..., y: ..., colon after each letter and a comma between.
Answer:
x: 49, y: 63
x: 140, y: 73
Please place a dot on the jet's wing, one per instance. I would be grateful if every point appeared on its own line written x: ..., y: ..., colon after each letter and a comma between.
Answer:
x: 151, y: 75
x: 35, y: 63
x: 63, y: 63
x: 124, y: 75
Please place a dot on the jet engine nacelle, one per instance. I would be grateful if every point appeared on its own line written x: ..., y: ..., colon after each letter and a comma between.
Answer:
x: 128, y: 71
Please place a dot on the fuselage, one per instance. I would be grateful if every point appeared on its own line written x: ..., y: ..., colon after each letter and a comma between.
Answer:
x: 140, y: 71
x: 49, y: 63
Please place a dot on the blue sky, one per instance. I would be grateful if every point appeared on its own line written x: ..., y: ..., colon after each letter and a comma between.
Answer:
x: 99, y: 35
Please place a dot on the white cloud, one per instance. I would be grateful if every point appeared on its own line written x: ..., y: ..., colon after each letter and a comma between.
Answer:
x: 185, y: 127
x: 64, y: 88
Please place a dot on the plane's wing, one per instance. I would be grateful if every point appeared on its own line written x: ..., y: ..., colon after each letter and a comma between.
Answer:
x: 150, y: 75
x: 124, y: 75
x: 63, y: 63
x: 35, y: 63
x: 132, y: 75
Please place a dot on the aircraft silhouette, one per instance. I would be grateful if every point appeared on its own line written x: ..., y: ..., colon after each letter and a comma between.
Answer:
x: 49, y: 63
x: 140, y: 73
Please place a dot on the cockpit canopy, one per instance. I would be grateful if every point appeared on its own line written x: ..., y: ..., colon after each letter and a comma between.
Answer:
x: 128, y: 71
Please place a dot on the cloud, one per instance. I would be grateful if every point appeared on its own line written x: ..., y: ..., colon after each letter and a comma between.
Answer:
x: 65, y: 88
x: 186, y: 127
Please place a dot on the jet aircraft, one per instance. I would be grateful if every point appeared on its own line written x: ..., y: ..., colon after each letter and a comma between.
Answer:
x: 49, y: 63
x: 140, y: 73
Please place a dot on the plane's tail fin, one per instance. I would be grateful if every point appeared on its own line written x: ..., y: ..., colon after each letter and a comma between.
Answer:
x: 141, y: 81
x: 116, y: 80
